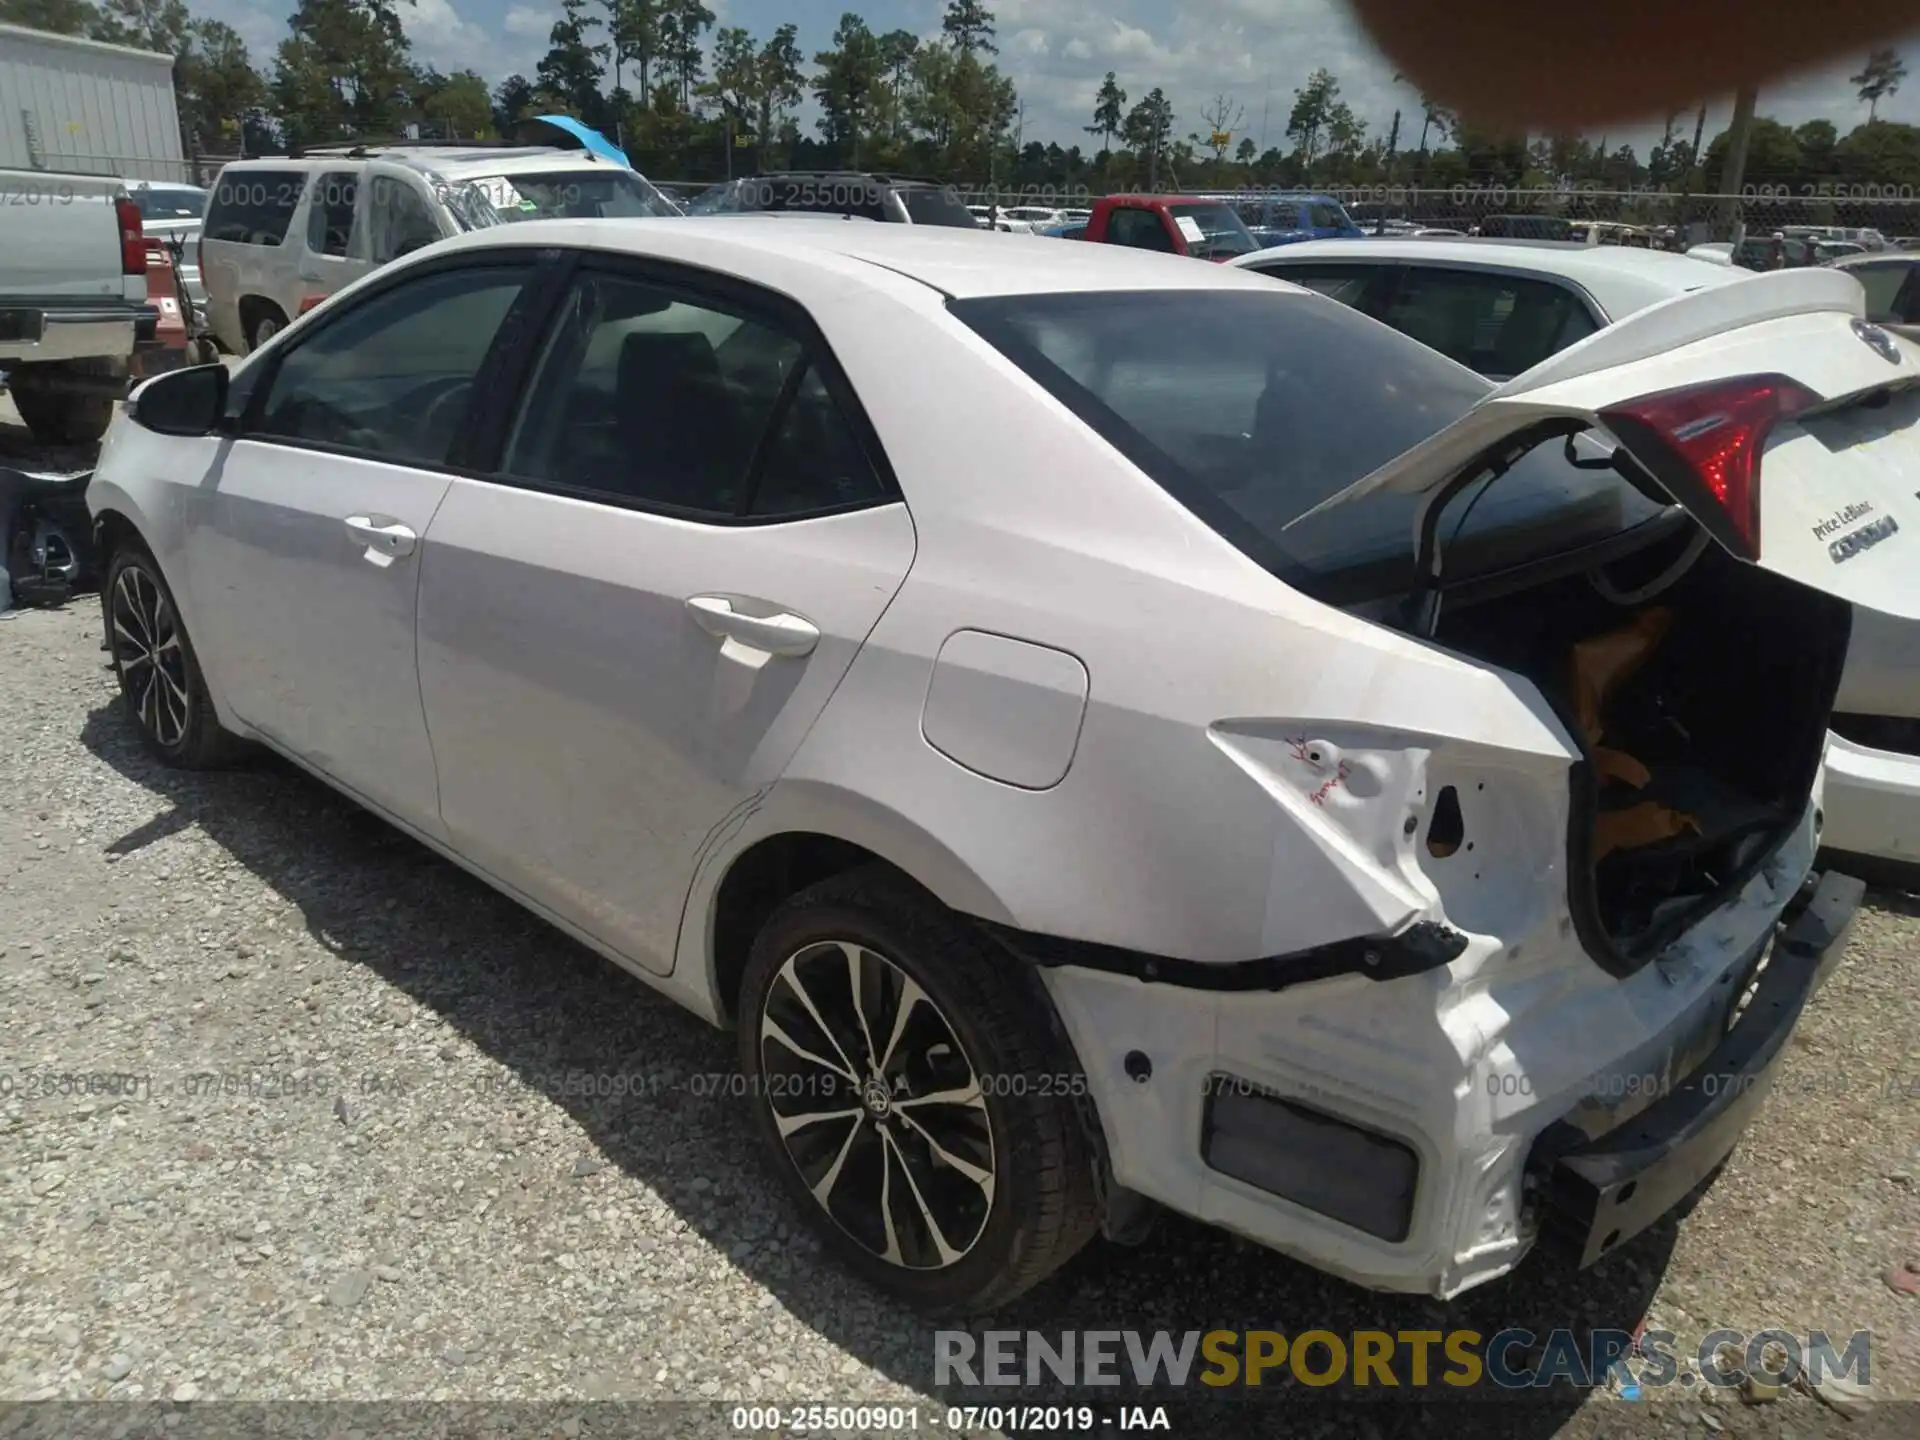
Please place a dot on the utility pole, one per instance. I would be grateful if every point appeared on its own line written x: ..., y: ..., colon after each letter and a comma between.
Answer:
x: 1734, y: 171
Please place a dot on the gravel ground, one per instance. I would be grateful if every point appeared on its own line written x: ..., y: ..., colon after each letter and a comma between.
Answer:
x: 384, y: 1196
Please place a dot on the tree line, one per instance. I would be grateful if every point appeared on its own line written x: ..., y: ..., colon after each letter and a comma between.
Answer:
x: 692, y: 100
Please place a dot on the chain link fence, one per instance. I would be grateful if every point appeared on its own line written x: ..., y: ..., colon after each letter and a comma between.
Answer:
x: 1683, y: 217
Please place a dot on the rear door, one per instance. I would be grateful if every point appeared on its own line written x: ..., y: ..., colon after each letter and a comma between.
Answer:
x: 335, y: 247
x: 1772, y: 410
x: 630, y: 621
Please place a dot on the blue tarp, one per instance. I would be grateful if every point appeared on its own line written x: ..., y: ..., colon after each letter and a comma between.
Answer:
x: 588, y: 137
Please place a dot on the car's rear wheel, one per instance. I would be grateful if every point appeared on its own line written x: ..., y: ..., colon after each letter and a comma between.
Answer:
x: 263, y: 323
x: 161, y: 683
x: 911, y: 1101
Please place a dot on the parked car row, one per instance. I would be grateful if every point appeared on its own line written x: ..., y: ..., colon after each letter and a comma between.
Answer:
x: 1106, y: 733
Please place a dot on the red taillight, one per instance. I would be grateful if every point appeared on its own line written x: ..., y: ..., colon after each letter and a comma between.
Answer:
x: 1718, y: 432
x: 133, y: 237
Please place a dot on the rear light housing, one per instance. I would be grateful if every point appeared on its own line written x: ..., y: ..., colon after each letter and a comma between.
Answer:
x: 310, y: 301
x: 133, y: 236
x: 1704, y: 442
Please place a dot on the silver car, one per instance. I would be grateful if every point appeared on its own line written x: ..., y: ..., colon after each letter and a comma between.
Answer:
x: 1095, y: 726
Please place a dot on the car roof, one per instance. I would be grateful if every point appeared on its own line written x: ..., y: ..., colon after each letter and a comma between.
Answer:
x: 1620, y: 278
x: 961, y: 263
x: 477, y: 159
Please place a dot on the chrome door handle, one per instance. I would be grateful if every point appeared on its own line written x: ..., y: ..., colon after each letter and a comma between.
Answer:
x: 781, y: 634
x: 386, y: 539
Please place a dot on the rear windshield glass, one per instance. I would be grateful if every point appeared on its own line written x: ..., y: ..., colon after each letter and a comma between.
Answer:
x: 1220, y: 229
x: 170, y: 204
x: 1252, y: 408
x: 572, y: 195
x: 929, y: 206
x: 254, y: 207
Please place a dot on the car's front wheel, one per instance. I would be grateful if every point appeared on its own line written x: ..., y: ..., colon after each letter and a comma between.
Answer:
x: 910, y: 1097
x: 161, y: 682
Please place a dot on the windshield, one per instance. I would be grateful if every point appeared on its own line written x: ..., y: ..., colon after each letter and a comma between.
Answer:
x: 1220, y: 230
x: 929, y: 206
x: 170, y: 204
x: 599, y: 194
x: 1252, y: 408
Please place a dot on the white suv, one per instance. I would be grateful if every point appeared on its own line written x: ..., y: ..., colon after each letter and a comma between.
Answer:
x: 282, y: 234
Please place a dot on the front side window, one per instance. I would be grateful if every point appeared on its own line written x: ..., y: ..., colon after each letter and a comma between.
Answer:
x: 1252, y: 408
x: 399, y: 220
x: 1497, y: 324
x: 652, y: 395
x: 391, y: 378
x: 1326, y: 217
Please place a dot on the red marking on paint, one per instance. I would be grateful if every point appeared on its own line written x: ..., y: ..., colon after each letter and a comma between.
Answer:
x: 1319, y: 797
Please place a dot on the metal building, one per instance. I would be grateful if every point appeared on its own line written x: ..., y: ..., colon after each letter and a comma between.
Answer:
x: 86, y: 106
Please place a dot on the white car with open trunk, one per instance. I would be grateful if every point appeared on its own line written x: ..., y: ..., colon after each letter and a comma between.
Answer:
x: 1102, y: 729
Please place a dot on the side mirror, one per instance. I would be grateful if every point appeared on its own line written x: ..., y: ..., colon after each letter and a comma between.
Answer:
x: 184, y: 402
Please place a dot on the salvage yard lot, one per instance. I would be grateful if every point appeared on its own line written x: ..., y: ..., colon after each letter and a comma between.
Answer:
x: 388, y: 1136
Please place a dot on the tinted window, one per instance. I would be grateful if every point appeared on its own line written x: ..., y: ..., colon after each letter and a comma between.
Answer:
x: 1493, y: 323
x: 330, y: 216
x: 392, y: 376
x: 1141, y: 229
x: 572, y: 195
x: 929, y: 206
x: 398, y: 220
x: 1252, y: 408
x: 648, y: 394
x: 813, y: 462
x: 163, y: 202
x: 1325, y: 217
x: 1345, y: 283
x: 253, y: 207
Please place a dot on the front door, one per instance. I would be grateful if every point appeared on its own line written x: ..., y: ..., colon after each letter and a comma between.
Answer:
x: 627, y: 628
x: 304, y: 549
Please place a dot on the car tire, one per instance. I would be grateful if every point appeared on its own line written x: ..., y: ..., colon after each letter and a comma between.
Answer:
x: 265, y: 323
x: 64, y: 417
x: 161, y: 682
x: 957, y: 1205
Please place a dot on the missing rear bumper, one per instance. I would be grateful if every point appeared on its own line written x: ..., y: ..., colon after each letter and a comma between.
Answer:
x: 1598, y: 1194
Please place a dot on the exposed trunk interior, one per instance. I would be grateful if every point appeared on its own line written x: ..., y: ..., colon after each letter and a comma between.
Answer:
x: 1725, y: 714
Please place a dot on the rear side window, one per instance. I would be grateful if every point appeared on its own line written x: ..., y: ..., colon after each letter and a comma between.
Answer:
x: 1496, y: 324
x: 253, y: 207
x: 1252, y: 408
x: 1345, y: 283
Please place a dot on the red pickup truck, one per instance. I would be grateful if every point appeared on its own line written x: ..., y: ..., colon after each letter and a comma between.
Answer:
x: 1175, y: 224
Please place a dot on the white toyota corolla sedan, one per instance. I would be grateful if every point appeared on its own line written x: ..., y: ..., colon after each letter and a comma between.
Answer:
x: 1103, y: 729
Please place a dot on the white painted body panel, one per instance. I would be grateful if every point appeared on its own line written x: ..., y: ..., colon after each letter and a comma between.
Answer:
x: 1238, y: 786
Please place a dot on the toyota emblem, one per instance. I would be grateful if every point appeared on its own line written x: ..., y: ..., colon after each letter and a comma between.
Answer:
x: 1879, y: 339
